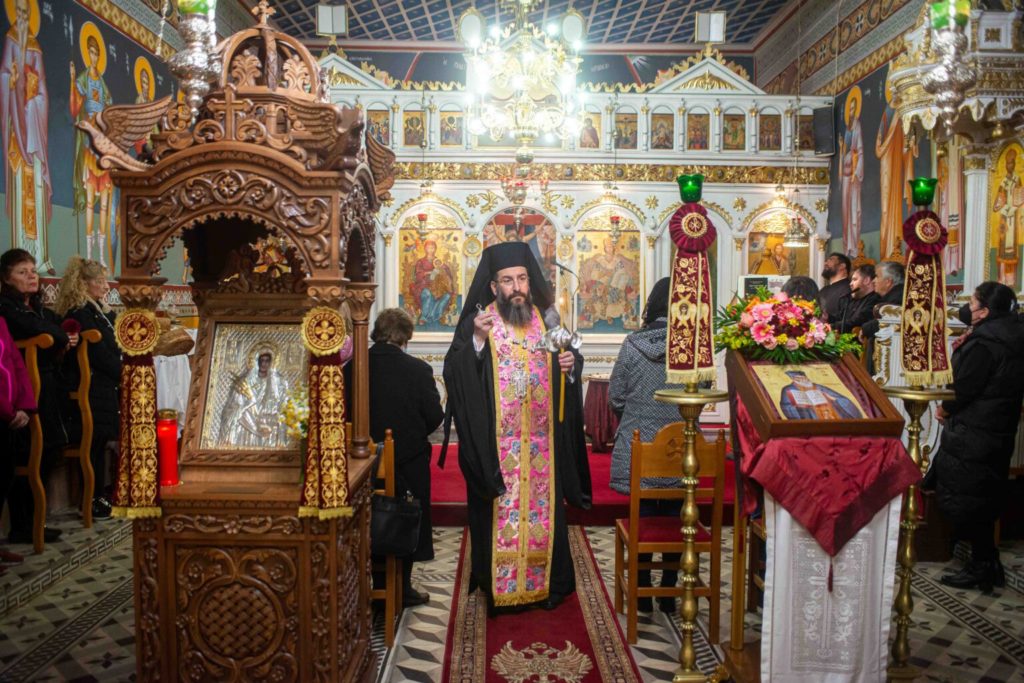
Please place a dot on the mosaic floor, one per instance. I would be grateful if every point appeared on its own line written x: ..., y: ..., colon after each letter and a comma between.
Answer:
x: 67, y: 615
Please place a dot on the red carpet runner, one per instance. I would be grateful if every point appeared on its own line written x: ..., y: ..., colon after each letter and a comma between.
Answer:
x: 578, y: 642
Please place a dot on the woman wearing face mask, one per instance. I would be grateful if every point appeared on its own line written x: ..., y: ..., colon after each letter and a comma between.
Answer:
x: 970, y: 472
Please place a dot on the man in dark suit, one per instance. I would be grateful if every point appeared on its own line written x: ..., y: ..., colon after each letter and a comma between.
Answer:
x: 404, y: 399
x: 889, y: 287
x: 860, y: 307
x: 836, y: 291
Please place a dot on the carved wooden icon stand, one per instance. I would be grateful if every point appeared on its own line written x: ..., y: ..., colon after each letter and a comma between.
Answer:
x: 233, y: 580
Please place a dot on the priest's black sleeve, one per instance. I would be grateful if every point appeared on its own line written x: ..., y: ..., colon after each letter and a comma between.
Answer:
x: 570, y: 443
x: 471, y: 401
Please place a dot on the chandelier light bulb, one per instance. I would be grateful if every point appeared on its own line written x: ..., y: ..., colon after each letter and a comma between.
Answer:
x: 495, y: 32
x: 552, y: 29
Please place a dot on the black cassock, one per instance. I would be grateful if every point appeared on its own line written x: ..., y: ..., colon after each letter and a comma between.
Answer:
x: 469, y: 381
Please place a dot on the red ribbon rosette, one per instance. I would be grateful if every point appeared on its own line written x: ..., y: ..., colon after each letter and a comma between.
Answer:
x: 71, y: 326
x: 691, y: 229
x: 924, y: 234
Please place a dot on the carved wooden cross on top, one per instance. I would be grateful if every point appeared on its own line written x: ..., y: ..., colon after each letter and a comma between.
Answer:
x: 264, y: 11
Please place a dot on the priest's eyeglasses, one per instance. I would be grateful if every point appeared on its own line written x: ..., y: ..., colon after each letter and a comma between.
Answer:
x: 508, y: 281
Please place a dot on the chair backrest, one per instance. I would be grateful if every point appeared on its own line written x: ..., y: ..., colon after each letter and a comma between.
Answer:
x: 81, y: 394
x: 663, y: 458
x: 31, y: 348
x: 386, y: 466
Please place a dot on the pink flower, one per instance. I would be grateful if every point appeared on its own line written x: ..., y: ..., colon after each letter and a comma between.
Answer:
x: 809, y: 342
x: 746, y: 320
x: 792, y: 344
x: 782, y: 297
x: 770, y: 343
x: 761, y: 331
x: 763, y: 312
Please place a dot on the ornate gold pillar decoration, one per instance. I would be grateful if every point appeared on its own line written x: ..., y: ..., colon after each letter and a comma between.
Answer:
x: 325, y: 481
x: 137, y: 491
x: 360, y: 297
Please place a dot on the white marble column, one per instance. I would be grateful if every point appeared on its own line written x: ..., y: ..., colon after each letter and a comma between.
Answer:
x: 974, y: 230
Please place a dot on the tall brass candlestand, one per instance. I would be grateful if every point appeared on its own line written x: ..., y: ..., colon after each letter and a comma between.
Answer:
x: 915, y: 400
x: 691, y: 402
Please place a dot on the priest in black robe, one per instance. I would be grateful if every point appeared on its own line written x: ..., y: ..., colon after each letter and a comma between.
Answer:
x: 503, y: 392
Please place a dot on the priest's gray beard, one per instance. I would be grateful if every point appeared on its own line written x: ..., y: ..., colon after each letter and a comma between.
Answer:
x: 514, y: 310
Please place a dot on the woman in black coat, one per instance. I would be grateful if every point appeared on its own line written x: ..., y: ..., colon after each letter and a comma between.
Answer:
x: 404, y: 399
x: 970, y: 473
x: 26, y: 317
x: 81, y: 298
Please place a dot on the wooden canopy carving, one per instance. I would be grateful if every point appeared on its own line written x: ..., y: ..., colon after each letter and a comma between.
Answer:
x: 265, y: 148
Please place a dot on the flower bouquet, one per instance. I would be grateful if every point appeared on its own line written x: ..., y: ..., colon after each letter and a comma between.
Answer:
x: 295, y: 414
x: 780, y: 329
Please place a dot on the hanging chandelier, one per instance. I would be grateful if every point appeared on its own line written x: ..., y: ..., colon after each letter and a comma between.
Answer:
x: 952, y: 76
x: 522, y: 79
x: 796, y: 235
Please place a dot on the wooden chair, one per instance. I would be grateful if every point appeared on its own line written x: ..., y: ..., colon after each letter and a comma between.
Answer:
x: 31, y: 470
x: 84, y: 448
x: 391, y: 593
x: 662, y: 457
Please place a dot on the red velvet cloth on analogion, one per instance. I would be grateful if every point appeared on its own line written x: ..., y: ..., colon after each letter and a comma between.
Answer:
x: 832, y: 512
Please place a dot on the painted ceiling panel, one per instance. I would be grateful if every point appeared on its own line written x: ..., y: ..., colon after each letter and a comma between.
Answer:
x: 608, y: 21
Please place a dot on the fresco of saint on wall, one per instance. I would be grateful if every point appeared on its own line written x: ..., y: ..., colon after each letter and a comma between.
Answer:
x: 89, y: 96
x: 521, y: 224
x: 1006, y: 183
x: 24, y: 121
x: 609, y: 291
x: 895, y: 170
x: 429, y: 282
x: 851, y: 170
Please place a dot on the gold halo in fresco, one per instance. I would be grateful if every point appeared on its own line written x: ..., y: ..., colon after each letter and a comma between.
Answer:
x: 323, y: 331
x: 142, y: 64
x: 137, y: 331
x: 90, y: 30
x: 33, y: 15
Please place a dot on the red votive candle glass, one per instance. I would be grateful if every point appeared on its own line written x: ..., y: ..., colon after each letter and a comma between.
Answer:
x: 167, y: 447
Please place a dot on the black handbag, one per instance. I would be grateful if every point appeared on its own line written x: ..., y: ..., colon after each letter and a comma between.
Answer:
x: 394, y: 522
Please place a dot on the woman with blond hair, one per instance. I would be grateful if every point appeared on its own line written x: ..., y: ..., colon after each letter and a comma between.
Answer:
x: 80, y: 297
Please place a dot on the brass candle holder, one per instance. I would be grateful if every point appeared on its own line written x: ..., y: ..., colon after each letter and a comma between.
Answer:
x: 691, y: 402
x: 915, y: 400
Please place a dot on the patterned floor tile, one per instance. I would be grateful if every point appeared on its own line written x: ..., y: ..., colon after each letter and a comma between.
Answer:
x: 81, y: 628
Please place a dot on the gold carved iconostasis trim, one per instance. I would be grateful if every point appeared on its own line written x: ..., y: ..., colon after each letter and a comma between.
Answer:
x: 623, y: 172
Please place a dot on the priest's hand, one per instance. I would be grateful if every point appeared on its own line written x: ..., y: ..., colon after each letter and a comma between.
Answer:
x: 566, y: 361
x: 482, y: 324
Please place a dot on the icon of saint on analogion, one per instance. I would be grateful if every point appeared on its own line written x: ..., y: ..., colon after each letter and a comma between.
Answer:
x: 250, y: 417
